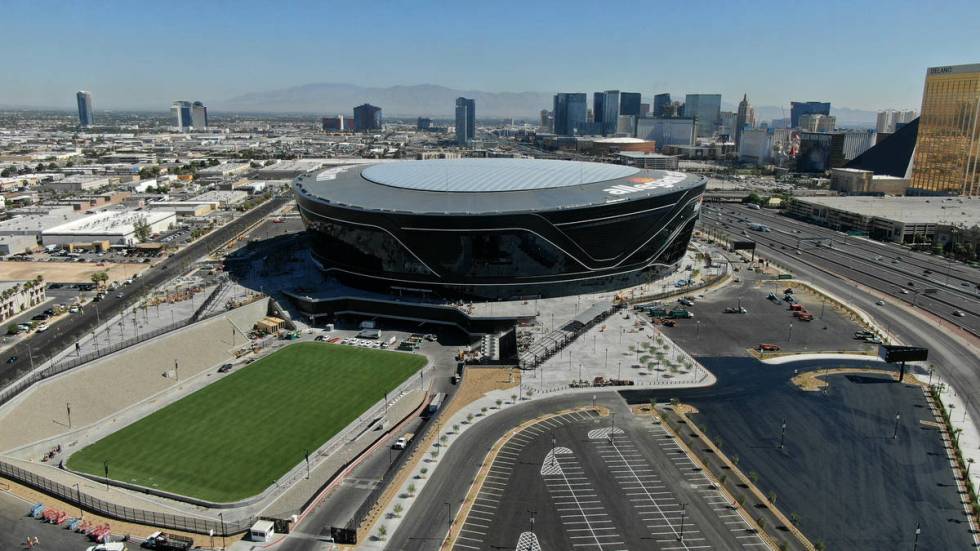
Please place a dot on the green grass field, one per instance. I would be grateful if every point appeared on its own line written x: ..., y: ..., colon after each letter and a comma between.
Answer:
x: 234, y: 438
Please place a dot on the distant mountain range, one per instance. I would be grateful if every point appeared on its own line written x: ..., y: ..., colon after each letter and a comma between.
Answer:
x: 439, y: 101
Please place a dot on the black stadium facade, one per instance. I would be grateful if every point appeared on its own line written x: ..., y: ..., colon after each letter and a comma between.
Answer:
x: 497, y: 228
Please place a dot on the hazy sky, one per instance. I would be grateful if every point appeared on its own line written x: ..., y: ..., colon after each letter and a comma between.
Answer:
x: 144, y: 54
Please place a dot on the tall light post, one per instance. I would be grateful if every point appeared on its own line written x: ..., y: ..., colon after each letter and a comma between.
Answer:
x: 898, y: 417
x: 782, y: 434
x: 78, y: 496
x: 915, y: 537
x: 68, y: 408
x: 680, y: 537
x: 698, y: 335
x: 790, y: 337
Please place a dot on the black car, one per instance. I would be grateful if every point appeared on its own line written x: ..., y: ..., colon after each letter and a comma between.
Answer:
x: 225, y: 368
x: 11, y: 359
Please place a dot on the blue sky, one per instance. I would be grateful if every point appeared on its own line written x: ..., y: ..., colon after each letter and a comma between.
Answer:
x: 859, y: 54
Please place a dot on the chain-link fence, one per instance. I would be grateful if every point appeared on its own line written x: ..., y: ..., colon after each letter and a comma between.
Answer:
x: 73, y: 495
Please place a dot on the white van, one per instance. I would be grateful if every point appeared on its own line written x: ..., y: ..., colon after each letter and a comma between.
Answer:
x: 262, y: 530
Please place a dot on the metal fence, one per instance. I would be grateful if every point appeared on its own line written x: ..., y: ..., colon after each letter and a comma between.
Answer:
x: 74, y: 496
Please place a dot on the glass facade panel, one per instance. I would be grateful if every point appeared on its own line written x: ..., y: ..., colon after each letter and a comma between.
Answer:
x: 947, y: 150
x: 361, y: 248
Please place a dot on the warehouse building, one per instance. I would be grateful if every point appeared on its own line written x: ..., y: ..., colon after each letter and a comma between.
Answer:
x: 898, y: 219
x: 118, y: 227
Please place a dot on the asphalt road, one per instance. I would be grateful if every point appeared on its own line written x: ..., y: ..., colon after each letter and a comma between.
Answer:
x: 16, y: 527
x: 887, y: 268
x: 67, y: 332
x: 955, y: 360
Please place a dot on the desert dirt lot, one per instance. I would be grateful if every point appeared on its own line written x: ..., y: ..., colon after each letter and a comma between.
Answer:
x: 66, y: 272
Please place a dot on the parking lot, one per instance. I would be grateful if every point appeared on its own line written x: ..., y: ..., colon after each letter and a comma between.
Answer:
x: 713, y: 332
x: 859, y: 463
x: 580, y: 481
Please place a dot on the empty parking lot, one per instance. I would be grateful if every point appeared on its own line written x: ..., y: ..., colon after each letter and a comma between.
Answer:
x: 589, y: 483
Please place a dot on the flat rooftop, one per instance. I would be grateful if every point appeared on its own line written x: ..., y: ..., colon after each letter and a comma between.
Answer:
x: 492, y: 186
x: 960, y: 211
x: 114, y: 222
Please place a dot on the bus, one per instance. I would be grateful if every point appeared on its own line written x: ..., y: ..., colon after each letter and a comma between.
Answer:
x: 436, y: 403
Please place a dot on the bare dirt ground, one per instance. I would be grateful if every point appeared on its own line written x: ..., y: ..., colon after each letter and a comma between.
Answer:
x: 812, y: 381
x: 66, y: 272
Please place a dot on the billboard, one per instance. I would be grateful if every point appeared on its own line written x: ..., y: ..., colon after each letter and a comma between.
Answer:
x: 743, y: 246
x: 894, y: 354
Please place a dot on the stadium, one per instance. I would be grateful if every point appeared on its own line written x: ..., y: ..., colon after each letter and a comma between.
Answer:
x: 497, y: 229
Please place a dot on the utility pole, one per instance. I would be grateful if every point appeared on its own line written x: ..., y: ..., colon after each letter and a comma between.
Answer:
x: 680, y: 536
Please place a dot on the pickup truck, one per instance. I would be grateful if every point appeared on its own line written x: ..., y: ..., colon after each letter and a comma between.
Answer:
x: 403, y: 441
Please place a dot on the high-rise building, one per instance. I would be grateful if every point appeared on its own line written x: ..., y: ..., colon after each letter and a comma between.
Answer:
x: 569, y: 113
x: 199, y: 116
x: 605, y: 110
x: 706, y: 110
x: 465, y: 120
x: 726, y: 123
x: 547, y: 121
x: 755, y: 146
x: 812, y: 122
x: 820, y: 151
x: 889, y: 120
x: 182, y: 113
x: 367, y: 117
x: 86, y: 117
x: 644, y: 109
x: 660, y: 104
x: 857, y: 142
x: 423, y: 123
x: 947, y: 151
x: 750, y: 121
x: 629, y: 104
x: 666, y: 131
x: 741, y: 120
x: 800, y: 108
x: 338, y: 123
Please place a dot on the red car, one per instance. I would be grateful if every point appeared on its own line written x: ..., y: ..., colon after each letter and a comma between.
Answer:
x: 768, y: 347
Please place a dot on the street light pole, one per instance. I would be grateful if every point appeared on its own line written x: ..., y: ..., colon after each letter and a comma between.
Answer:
x: 782, y: 434
x: 790, y: 337
x: 898, y: 417
x: 680, y: 537
x: 915, y: 537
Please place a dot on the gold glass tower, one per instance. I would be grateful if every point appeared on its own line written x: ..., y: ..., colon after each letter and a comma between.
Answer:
x: 947, y: 150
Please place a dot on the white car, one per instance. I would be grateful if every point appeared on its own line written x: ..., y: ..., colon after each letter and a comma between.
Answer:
x: 880, y: 303
x: 41, y: 328
x: 959, y: 314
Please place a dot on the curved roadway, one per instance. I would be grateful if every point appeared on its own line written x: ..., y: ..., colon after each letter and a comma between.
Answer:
x: 955, y: 356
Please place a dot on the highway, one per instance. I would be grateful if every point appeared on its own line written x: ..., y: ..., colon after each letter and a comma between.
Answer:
x: 885, y: 267
x: 69, y: 330
x: 956, y: 357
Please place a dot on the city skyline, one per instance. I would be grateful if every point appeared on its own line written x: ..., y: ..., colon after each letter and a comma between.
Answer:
x: 229, y: 62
